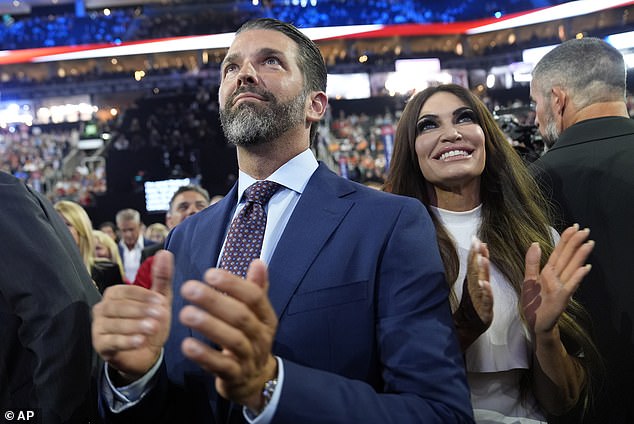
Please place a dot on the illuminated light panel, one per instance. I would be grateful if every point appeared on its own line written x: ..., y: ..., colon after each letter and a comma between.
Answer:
x: 561, y: 11
x: 215, y: 41
x: 622, y: 41
x: 324, y: 33
x: 534, y: 55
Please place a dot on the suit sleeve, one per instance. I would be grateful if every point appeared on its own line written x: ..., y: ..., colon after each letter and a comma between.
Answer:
x: 47, y: 294
x: 423, y: 377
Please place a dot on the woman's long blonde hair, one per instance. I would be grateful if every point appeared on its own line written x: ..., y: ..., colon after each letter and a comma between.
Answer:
x: 107, y: 241
x: 77, y: 217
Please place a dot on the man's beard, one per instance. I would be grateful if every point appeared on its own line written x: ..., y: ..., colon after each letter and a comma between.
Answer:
x: 550, y: 134
x: 251, y: 124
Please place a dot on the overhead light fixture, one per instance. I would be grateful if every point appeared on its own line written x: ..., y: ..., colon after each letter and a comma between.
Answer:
x: 622, y: 41
x: 548, y: 14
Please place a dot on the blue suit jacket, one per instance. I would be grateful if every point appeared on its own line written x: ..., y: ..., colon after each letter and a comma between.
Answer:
x: 365, y: 331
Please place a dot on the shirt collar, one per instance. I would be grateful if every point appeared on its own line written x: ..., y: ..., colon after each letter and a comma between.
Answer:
x: 138, y: 245
x: 293, y: 175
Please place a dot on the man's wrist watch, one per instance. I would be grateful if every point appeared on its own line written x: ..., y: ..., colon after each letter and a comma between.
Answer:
x: 267, y: 392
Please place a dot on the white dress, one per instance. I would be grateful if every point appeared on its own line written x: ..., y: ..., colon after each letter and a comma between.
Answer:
x: 497, y: 360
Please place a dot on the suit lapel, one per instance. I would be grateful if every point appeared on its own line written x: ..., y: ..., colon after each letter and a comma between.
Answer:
x: 207, y: 235
x: 318, y: 213
x: 321, y: 204
x: 210, y: 232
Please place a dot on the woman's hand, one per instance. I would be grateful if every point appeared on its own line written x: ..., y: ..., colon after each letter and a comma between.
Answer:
x: 475, y: 313
x: 545, y: 295
x: 478, y: 284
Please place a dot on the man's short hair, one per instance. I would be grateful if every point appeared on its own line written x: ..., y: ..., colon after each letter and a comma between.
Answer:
x: 309, y: 58
x: 126, y: 215
x: 108, y: 224
x: 190, y: 187
x: 588, y: 69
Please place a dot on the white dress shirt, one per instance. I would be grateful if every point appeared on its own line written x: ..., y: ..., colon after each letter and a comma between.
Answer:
x: 132, y: 258
x: 293, y: 177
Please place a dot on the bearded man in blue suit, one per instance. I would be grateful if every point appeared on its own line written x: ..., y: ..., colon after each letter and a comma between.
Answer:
x: 354, y: 326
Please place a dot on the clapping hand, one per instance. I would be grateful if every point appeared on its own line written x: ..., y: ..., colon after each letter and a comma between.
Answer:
x: 478, y: 281
x: 235, y: 314
x: 131, y: 324
x: 546, y: 293
x: 475, y: 312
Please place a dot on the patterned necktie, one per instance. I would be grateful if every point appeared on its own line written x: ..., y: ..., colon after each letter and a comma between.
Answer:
x: 244, y: 240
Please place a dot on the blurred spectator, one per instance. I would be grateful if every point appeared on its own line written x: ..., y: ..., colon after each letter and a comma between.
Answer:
x: 80, y: 227
x: 103, y: 272
x: 34, y: 155
x: 216, y: 198
x: 110, y: 229
x: 106, y: 248
x: 156, y: 232
x: 185, y: 202
x: 360, y: 145
x: 132, y: 241
x: 65, y: 29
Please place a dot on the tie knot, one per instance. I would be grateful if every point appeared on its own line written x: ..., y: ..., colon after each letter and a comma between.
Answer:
x: 261, y: 191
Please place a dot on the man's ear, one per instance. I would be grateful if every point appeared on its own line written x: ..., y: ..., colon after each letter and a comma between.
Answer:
x: 559, y: 100
x: 317, y: 106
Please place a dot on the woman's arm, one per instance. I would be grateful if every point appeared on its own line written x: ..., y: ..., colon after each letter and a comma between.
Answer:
x: 475, y: 312
x: 558, y: 378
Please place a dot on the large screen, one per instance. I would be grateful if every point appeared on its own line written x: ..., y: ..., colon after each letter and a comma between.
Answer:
x: 159, y: 193
x: 348, y: 86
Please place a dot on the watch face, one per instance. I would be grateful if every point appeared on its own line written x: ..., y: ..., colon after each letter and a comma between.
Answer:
x: 269, y: 390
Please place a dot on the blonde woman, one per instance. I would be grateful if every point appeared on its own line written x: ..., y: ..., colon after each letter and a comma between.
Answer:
x: 106, y: 249
x: 104, y: 273
x: 156, y: 232
x: 80, y: 227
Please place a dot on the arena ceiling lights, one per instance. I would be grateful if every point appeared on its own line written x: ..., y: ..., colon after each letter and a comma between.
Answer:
x: 561, y: 11
x: 205, y: 42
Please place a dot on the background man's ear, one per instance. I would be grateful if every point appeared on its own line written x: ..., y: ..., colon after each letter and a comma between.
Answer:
x: 559, y: 100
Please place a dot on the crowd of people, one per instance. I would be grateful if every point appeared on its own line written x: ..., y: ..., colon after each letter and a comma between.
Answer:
x: 196, y: 18
x: 47, y: 158
x: 356, y: 145
x: 65, y: 29
x: 473, y: 286
x: 34, y: 155
x: 330, y: 13
x: 117, y: 252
